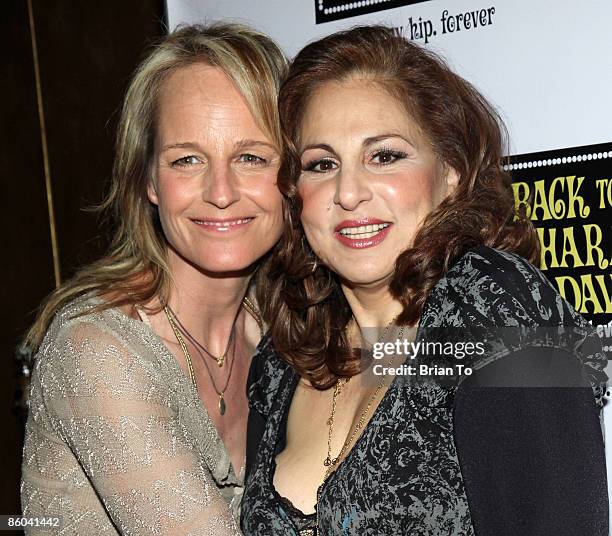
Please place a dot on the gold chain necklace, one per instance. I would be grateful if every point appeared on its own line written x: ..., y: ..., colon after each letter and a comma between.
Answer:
x: 200, y: 347
x: 221, y: 405
x: 249, y: 308
x: 183, y: 346
x: 329, y: 462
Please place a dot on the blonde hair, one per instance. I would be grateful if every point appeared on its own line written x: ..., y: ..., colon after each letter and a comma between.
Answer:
x: 135, y: 269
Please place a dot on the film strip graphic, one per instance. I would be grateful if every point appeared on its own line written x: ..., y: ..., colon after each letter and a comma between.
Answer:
x: 329, y: 10
x: 570, y: 193
x: 572, y: 155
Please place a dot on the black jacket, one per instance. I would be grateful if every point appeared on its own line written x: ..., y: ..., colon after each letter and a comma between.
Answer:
x: 526, y: 427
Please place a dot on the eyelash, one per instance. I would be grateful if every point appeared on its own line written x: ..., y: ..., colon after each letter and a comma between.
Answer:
x: 183, y: 161
x: 310, y: 166
x: 397, y: 155
x: 259, y: 160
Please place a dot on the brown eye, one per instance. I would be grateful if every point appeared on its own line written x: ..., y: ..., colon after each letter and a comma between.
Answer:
x: 387, y: 157
x: 320, y: 166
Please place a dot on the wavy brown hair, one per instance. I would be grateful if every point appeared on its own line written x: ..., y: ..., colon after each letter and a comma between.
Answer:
x: 134, y: 270
x: 305, y: 304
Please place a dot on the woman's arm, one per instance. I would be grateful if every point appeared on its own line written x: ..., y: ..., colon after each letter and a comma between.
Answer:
x: 530, y: 446
x: 117, y: 417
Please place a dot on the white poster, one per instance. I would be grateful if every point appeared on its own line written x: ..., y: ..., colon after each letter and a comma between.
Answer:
x: 545, y: 64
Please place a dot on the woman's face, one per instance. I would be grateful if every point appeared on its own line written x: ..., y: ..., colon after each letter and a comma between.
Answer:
x: 215, y: 174
x: 369, y: 179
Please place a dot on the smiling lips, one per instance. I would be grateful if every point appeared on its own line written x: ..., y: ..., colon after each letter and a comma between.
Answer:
x: 223, y: 226
x: 363, y: 233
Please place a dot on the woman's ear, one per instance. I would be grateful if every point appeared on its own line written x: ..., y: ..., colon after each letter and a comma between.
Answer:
x: 152, y: 192
x: 452, y: 180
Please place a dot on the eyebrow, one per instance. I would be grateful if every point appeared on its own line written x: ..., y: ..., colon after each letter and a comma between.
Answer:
x: 322, y: 146
x: 366, y: 143
x: 181, y: 145
x: 241, y: 144
x: 375, y: 139
x: 250, y: 143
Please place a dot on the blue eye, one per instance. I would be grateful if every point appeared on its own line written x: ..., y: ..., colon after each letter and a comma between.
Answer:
x: 186, y: 161
x: 387, y: 156
x: 252, y: 159
x: 320, y: 166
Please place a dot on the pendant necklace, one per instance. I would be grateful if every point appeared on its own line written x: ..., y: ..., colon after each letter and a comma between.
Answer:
x: 219, y: 359
x: 173, y: 321
x: 329, y: 462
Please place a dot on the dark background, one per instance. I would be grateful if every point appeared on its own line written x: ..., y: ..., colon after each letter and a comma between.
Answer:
x: 86, y: 54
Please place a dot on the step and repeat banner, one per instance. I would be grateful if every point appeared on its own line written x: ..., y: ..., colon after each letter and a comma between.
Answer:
x: 547, y: 67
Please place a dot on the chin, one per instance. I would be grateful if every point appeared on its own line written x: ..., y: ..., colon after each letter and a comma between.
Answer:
x: 365, y: 276
x: 228, y: 264
x: 222, y: 261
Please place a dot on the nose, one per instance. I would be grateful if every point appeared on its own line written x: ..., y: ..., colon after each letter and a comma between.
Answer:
x: 220, y: 187
x: 352, y: 188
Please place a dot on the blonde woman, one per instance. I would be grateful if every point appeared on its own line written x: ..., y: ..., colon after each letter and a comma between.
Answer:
x: 138, y: 410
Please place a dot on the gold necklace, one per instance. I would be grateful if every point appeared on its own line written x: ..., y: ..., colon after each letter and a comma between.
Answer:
x: 249, y: 308
x: 221, y: 405
x: 200, y: 347
x: 182, y: 344
x: 329, y: 462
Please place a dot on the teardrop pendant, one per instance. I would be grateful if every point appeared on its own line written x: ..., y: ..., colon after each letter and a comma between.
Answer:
x: 221, y: 404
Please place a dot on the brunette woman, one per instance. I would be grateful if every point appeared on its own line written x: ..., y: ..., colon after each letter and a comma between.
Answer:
x: 402, y: 220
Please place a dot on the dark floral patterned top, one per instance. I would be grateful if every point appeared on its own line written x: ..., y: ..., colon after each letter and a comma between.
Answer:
x: 434, y: 460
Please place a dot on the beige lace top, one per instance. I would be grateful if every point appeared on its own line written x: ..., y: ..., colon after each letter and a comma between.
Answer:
x: 117, y: 440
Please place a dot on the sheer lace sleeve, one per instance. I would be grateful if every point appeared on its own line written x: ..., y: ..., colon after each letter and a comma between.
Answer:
x: 111, y: 407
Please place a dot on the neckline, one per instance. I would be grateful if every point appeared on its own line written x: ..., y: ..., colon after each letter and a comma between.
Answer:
x: 286, y: 502
x: 284, y: 418
x: 153, y: 338
x: 287, y: 397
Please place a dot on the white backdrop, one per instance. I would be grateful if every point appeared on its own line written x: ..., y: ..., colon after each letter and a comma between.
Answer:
x: 545, y: 64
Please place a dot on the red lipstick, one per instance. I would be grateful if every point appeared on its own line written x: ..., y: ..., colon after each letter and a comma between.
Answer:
x: 362, y: 233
